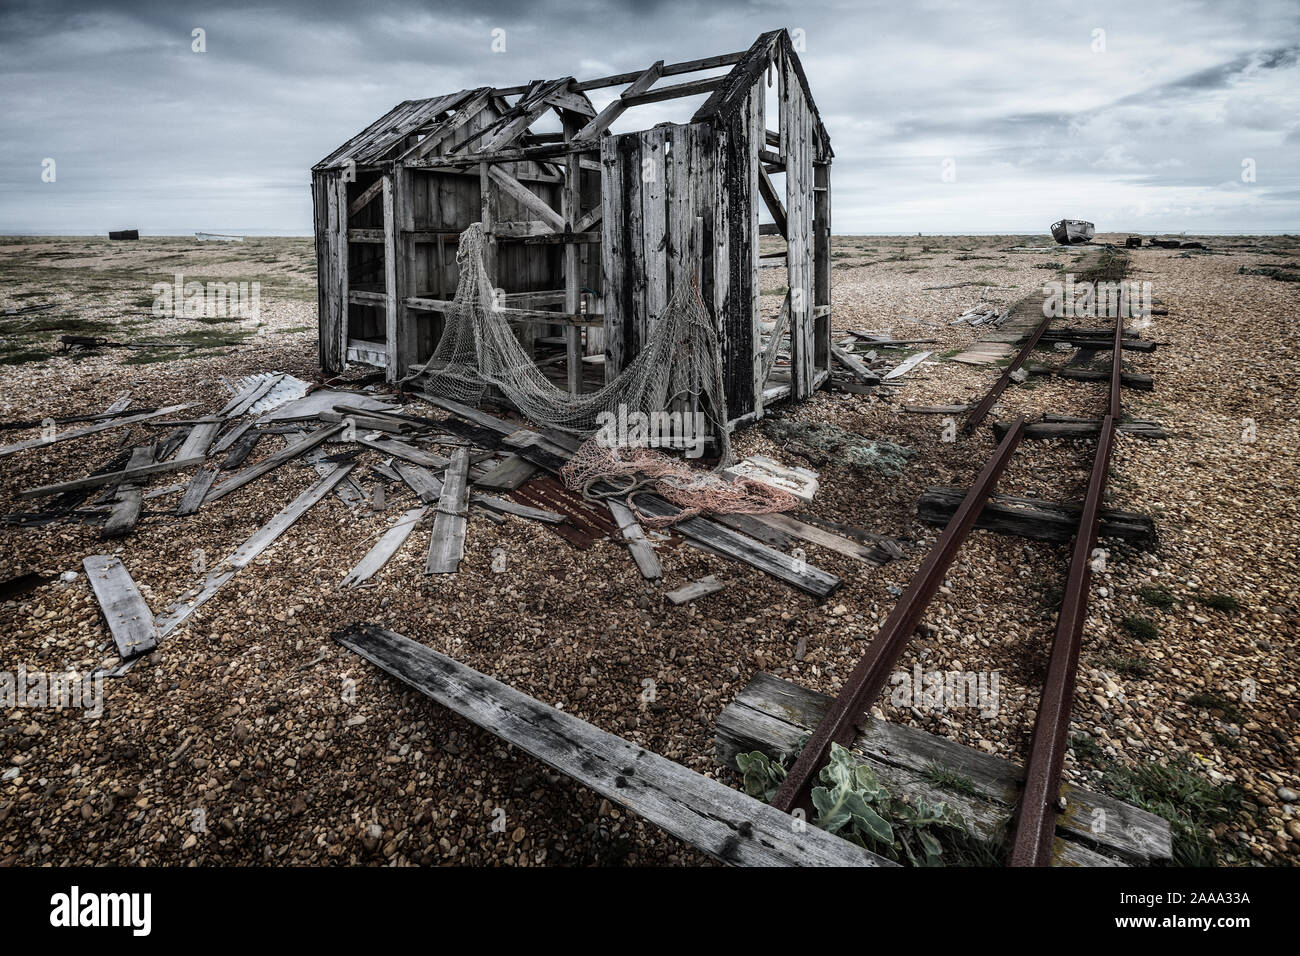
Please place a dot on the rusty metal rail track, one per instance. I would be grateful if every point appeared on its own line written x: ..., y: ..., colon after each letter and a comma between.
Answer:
x: 864, y: 685
x: 1034, y: 828
x: 980, y: 411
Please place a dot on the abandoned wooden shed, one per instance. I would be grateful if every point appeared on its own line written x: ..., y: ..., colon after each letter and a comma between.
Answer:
x: 590, y: 231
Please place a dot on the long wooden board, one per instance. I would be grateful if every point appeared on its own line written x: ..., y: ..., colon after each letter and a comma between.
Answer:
x: 384, y: 548
x: 724, y: 823
x: 129, y: 474
x: 643, y: 553
x: 291, y: 451
x: 88, y: 430
x: 260, y: 540
x: 447, y: 546
x: 129, y: 619
x: 774, y: 715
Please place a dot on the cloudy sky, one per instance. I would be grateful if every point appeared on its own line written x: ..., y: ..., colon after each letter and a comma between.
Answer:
x: 1138, y: 116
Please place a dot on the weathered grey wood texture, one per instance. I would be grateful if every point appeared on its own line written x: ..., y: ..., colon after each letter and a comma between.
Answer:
x: 726, y: 824
x: 773, y: 716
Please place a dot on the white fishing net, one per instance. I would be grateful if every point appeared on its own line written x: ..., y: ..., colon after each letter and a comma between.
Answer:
x: 678, y: 370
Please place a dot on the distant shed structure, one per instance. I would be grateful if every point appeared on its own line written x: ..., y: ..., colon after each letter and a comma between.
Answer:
x: 590, y: 232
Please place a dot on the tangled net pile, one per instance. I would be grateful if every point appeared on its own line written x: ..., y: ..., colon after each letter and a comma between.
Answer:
x: 627, y: 472
x: 679, y: 365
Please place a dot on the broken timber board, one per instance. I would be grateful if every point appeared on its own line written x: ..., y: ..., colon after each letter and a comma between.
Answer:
x: 447, y: 545
x: 426, y: 485
x: 723, y: 540
x: 820, y: 536
x: 724, y: 823
x: 200, y: 439
x: 385, y: 547
x: 404, y: 452
x: 129, y: 619
x: 854, y: 365
x: 772, y: 715
x: 642, y: 551
x: 508, y: 507
x: 192, y: 500
x: 743, y: 548
x: 249, y: 397
x: 259, y: 541
x: 130, y: 498
x: 89, y: 430
x: 293, y: 450
x: 1035, y: 518
x: 113, y: 477
x: 911, y: 362
x: 696, y: 589
x: 507, y: 476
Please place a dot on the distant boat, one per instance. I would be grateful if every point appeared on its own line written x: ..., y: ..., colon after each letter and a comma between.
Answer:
x: 216, y: 237
x: 1070, y: 232
x: 124, y: 234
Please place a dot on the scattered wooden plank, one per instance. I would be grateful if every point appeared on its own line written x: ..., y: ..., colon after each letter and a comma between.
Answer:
x: 290, y: 452
x: 129, y: 474
x: 129, y: 619
x: 404, y: 452
x: 233, y: 434
x: 820, y: 536
x: 724, y: 823
x: 385, y: 548
x: 937, y: 409
x: 508, y: 507
x: 643, y: 552
x: 426, y: 485
x: 772, y: 715
x: 130, y: 498
x: 743, y: 548
x: 196, y: 491
x: 696, y: 589
x: 1035, y: 518
x: 258, y: 542
x: 249, y: 397
x: 909, y: 363
x: 512, y: 472
x: 200, y: 439
x: 42, y: 442
x: 851, y: 362
x: 447, y: 546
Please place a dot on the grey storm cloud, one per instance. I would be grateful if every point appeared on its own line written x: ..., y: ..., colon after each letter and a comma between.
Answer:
x: 1137, y: 116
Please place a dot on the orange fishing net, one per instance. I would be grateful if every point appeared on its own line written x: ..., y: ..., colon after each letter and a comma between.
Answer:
x: 626, y: 472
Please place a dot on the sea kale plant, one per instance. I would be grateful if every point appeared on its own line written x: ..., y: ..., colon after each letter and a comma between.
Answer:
x: 853, y: 804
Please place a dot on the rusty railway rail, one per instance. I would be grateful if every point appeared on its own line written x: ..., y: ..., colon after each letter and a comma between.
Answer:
x: 1034, y: 823
x: 872, y: 672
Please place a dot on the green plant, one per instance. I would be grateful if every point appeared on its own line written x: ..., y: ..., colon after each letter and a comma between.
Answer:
x: 1139, y: 628
x: 853, y: 804
x: 1127, y: 666
x: 1157, y: 596
x: 1191, y: 804
x: 1225, y: 706
x: 947, y: 779
x: 1220, y: 602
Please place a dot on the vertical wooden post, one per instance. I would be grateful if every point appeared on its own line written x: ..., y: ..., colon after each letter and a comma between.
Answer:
x: 486, y: 217
x: 570, y: 208
x: 613, y: 253
x: 345, y: 308
x: 822, y: 266
x: 408, y: 337
x: 390, y: 280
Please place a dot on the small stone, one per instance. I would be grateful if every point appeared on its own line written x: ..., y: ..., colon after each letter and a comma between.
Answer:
x: 1287, y: 795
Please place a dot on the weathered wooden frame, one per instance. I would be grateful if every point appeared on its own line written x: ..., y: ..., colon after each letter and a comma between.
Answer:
x: 587, y: 230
